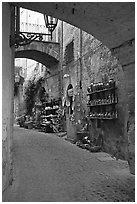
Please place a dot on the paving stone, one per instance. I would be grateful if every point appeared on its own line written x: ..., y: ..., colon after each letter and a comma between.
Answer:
x: 51, y: 169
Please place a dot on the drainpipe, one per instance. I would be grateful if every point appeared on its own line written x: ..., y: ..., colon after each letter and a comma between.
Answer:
x: 80, y: 61
x: 62, y: 58
x: 79, y: 114
x: 12, y: 72
x: 61, y: 61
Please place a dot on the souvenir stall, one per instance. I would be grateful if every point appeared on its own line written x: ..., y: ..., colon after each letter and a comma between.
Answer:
x: 51, y: 116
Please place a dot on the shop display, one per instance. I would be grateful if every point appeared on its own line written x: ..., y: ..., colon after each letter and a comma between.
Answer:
x: 47, y: 116
x: 102, y: 100
x: 100, y: 86
x: 50, y: 116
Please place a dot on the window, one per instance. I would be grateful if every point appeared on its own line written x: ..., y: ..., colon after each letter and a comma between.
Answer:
x: 69, y: 53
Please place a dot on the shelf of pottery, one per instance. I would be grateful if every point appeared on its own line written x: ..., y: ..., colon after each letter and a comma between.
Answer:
x: 102, y: 100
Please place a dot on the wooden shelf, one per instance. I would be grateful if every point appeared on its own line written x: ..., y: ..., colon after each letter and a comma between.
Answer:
x: 113, y: 88
x: 44, y: 124
x: 102, y: 118
x: 104, y: 104
x: 48, y: 116
x: 52, y: 101
x: 38, y: 105
x: 51, y: 109
x: 97, y: 99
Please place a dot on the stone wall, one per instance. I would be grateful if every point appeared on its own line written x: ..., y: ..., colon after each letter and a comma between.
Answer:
x: 52, y: 82
x: 7, y: 98
x: 97, y: 65
x: 99, y: 62
x: 126, y: 55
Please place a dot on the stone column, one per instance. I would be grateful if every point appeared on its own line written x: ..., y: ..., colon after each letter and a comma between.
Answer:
x: 125, y: 53
x: 7, y: 96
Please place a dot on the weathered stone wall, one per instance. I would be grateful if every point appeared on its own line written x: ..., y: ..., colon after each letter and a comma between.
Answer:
x: 72, y: 69
x: 126, y: 55
x: 97, y: 62
x: 7, y: 98
x: 97, y: 65
x: 52, y: 82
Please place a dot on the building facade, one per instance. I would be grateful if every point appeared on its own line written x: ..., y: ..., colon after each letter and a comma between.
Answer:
x: 86, y: 60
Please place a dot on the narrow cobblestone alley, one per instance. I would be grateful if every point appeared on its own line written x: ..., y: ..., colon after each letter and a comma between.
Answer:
x: 49, y: 168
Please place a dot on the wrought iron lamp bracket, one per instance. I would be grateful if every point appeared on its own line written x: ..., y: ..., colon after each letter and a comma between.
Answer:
x: 25, y: 38
x: 18, y: 38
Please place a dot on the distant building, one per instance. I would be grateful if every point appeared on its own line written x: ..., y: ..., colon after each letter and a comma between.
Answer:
x: 18, y: 92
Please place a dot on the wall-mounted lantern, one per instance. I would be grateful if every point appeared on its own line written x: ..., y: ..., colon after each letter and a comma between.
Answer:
x: 18, y: 38
x: 17, y: 78
x: 50, y: 22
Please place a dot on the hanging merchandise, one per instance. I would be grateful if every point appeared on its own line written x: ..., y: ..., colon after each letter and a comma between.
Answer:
x: 72, y: 118
x: 63, y: 101
x: 79, y: 122
x: 70, y: 92
x: 67, y: 103
x: 73, y: 103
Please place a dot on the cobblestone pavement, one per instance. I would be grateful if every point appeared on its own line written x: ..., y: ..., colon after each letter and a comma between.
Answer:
x: 49, y: 168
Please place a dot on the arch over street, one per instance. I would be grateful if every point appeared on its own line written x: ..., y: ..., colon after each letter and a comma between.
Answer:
x: 38, y: 56
x: 46, y: 53
x: 113, y: 23
x: 110, y: 22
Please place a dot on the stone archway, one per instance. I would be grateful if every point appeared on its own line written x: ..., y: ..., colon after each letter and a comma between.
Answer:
x: 110, y: 22
x: 113, y: 23
x: 46, y: 53
x: 38, y: 56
